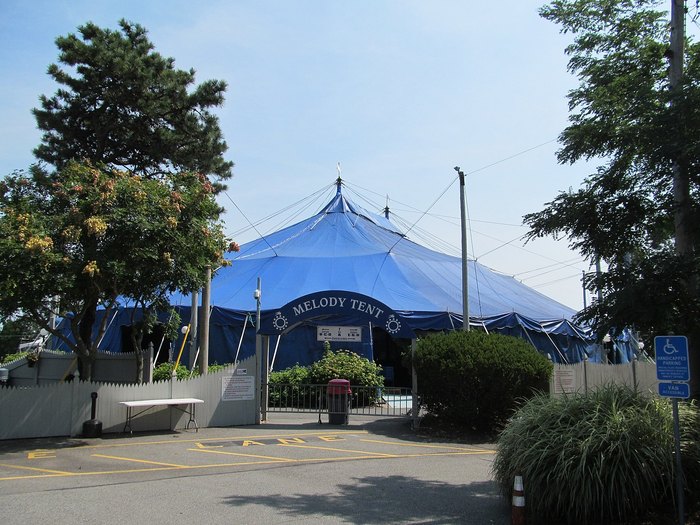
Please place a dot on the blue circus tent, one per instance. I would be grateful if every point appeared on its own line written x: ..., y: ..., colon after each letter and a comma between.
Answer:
x: 345, y: 247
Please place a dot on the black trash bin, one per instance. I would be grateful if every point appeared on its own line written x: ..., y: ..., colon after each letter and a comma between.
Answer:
x: 338, y: 401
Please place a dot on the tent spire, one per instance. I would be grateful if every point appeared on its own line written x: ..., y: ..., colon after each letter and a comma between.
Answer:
x: 386, y: 208
x: 338, y: 181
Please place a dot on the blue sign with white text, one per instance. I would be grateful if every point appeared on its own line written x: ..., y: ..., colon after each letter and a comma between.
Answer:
x: 672, y: 358
x: 681, y: 390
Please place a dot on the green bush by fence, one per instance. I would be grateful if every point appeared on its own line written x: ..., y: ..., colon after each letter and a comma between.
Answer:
x: 164, y: 371
x: 341, y: 364
x: 475, y: 380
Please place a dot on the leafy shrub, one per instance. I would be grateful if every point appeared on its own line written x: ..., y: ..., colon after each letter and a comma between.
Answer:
x: 211, y: 369
x: 344, y: 364
x: 296, y: 375
x: 474, y: 380
x: 287, y: 390
x: 164, y: 372
x: 597, y: 458
x: 9, y: 358
x: 290, y: 387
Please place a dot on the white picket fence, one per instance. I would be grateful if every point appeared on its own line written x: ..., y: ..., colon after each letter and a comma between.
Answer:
x: 584, y: 376
x: 60, y: 409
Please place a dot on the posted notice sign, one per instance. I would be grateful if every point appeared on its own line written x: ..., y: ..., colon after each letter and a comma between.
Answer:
x: 339, y: 333
x: 672, y: 358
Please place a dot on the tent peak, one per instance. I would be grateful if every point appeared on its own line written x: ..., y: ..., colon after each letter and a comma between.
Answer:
x: 339, y: 180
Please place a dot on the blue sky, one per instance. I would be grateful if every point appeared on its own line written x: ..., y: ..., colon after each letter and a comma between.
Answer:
x: 398, y: 92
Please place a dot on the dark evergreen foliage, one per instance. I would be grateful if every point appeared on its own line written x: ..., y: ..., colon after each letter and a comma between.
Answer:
x: 124, y: 105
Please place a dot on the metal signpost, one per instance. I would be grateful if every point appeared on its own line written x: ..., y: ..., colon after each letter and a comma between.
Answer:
x: 672, y: 365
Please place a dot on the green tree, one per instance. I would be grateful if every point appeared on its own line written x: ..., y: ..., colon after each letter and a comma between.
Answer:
x: 123, y: 105
x: 632, y: 213
x: 94, y: 237
x: 129, y: 211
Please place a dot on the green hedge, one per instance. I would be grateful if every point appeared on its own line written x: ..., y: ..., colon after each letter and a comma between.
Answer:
x: 164, y: 371
x: 599, y: 458
x: 475, y: 380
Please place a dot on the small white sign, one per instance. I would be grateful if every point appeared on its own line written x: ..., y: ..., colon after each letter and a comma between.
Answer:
x: 237, y: 388
x: 339, y: 333
x: 564, y: 381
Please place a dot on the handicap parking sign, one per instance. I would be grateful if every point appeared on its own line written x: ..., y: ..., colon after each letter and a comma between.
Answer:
x: 672, y: 358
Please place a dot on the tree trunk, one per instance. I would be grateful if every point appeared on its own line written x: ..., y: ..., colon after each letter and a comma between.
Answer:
x: 87, y: 358
x: 85, y: 366
x: 136, y: 339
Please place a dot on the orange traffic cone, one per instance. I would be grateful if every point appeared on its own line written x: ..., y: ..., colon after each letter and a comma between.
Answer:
x: 518, y: 512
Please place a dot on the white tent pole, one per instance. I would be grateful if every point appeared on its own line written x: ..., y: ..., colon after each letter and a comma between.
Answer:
x: 554, y: 345
x: 204, y: 335
x: 240, y: 341
x: 274, y: 354
x: 194, y: 348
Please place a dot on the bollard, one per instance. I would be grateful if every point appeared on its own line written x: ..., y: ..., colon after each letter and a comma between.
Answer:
x: 518, y: 512
x: 93, y: 427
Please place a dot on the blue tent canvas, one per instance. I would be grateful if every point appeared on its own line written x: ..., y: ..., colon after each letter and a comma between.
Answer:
x: 345, y: 247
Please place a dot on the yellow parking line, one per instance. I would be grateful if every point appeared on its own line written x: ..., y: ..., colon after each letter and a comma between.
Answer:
x: 36, y: 469
x: 210, y: 451
x: 147, y: 462
x: 363, y: 452
x: 461, y: 449
x: 163, y: 467
x: 465, y: 453
x: 222, y: 438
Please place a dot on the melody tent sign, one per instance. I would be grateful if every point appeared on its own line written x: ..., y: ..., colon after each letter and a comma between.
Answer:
x: 337, y: 304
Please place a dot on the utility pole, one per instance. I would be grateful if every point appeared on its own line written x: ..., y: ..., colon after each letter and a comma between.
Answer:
x: 258, y: 357
x: 598, y: 274
x: 465, y: 271
x: 681, y: 184
x: 683, y: 218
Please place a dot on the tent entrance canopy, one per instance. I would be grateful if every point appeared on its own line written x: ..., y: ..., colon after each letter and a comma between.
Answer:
x: 339, y: 304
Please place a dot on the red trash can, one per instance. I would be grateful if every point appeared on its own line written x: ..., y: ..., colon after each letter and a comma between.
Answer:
x: 338, y: 395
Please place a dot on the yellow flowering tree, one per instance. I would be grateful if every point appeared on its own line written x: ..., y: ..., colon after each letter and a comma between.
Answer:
x: 94, y: 237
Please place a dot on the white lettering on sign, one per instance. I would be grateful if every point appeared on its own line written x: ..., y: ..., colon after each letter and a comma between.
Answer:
x: 323, y: 302
x: 338, y: 302
x: 367, y: 308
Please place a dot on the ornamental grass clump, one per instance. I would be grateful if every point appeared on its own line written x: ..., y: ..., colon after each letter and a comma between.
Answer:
x: 598, y: 458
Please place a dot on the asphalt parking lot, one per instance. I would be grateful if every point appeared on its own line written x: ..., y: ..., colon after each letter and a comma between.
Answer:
x: 288, y: 470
